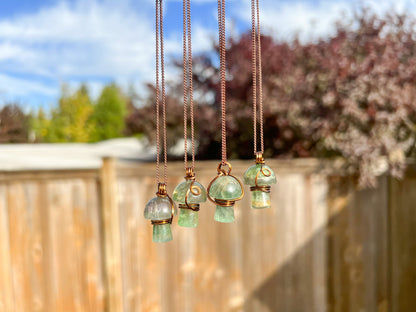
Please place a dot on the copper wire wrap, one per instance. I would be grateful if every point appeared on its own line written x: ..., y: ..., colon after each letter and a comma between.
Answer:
x: 193, y: 189
x: 265, y: 172
x: 223, y: 172
x: 160, y: 88
x: 193, y: 207
x: 161, y: 192
x: 257, y: 74
x: 259, y: 158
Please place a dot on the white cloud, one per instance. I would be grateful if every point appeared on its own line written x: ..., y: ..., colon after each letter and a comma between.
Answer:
x: 22, y: 87
x: 100, y: 40
x: 80, y: 41
x: 312, y: 19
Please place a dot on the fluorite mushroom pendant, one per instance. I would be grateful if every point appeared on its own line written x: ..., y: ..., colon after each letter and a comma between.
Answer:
x: 260, y: 177
x: 224, y: 190
x: 189, y: 194
x: 160, y: 210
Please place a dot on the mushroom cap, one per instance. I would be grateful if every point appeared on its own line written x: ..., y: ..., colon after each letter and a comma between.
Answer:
x: 159, y: 208
x: 181, y: 189
x: 262, y: 180
x: 225, y: 187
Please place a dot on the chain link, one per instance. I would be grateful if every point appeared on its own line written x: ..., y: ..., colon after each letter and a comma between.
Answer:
x: 257, y: 74
x: 185, y: 84
x: 157, y: 95
x: 222, y: 43
x: 188, y: 102
x: 160, y: 88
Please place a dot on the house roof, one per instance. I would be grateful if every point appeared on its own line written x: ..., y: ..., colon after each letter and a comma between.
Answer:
x: 15, y: 157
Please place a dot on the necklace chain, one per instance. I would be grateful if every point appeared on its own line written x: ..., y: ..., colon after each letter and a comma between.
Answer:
x: 222, y: 43
x: 188, y: 102
x: 160, y: 92
x: 257, y: 74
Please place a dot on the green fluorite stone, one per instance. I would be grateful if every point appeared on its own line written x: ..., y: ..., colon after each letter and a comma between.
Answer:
x: 188, y: 218
x: 159, y: 208
x: 260, y: 200
x: 224, y: 214
x: 225, y: 187
x: 250, y: 176
x: 162, y: 233
x: 180, y: 192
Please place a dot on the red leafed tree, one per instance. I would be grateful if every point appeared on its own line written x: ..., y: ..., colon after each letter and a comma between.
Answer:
x: 14, y: 125
x: 351, y: 95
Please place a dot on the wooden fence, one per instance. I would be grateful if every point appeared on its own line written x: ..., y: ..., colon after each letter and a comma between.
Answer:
x: 77, y: 241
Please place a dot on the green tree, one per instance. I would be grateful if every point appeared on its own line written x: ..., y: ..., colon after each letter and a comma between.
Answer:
x: 39, y: 124
x: 70, y: 121
x: 109, y: 114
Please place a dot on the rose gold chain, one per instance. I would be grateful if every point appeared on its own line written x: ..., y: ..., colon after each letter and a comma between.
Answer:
x: 188, y: 82
x: 254, y: 71
x: 185, y: 86
x: 191, y: 89
x: 160, y: 83
x: 257, y: 74
x: 260, y: 71
x: 157, y: 95
x: 222, y: 43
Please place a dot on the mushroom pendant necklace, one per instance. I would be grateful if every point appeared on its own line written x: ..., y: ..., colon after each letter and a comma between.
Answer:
x: 259, y: 177
x: 190, y: 193
x: 161, y: 208
x: 225, y: 189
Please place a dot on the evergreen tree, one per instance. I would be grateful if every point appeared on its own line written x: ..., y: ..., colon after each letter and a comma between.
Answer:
x: 109, y: 114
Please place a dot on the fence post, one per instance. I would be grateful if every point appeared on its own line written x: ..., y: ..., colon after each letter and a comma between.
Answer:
x: 111, y: 233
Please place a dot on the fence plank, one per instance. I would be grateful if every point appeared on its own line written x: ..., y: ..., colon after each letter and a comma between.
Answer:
x: 403, y: 243
x: 7, y: 298
x: 357, y: 256
x: 19, y: 246
x: 111, y: 229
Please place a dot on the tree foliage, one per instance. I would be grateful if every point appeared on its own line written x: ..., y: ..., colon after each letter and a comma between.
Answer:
x: 70, y: 120
x: 109, y: 114
x: 351, y: 95
x: 78, y: 119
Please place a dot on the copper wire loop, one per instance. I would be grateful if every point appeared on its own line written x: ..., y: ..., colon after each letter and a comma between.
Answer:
x: 161, y: 190
x: 194, y: 207
x: 192, y: 189
x: 222, y: 171
x: 190, y: 174
x: 259, y: 158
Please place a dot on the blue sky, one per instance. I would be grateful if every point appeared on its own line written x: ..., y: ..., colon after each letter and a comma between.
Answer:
x: 44, y: 43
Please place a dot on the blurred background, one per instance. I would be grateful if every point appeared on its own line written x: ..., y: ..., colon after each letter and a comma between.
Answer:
x: 77, y: 132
